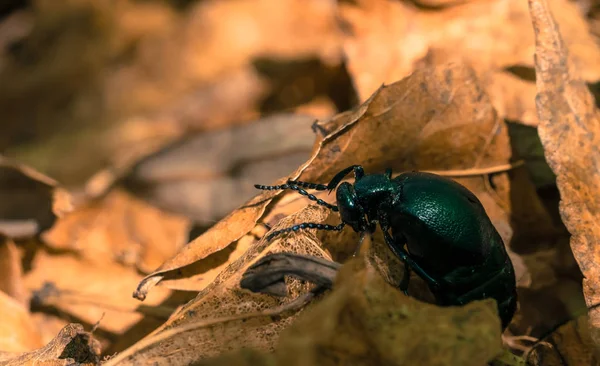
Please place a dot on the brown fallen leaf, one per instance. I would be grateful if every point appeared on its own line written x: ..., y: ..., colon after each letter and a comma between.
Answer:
x: 570, y: 132
x: 211, y: 323
x: 18, y: 332
x: 118, y: 227
x: 232, y: 228
x: 71, y: 345
x: 438, y: 118
x: 31, y: 202
x: 365, y: 321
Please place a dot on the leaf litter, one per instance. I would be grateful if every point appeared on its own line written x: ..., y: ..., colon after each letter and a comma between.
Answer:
x: 442, y: 108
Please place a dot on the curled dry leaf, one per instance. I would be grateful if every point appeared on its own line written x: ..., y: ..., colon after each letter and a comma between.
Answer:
x: 366, y: 321
x: 207, y: 176
x: 72, y: 345
x: 223, y: 316
x: 31, y: 202
x: 570, y: 132
x: 438, y: 118
x: 268, y: 274
x: 390, y: 39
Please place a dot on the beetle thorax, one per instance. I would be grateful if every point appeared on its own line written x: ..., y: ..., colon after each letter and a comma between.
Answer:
x: 374, y: 191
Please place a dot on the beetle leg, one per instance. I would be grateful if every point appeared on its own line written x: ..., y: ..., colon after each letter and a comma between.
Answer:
x: 359, y: 172
x: 306, y: 225
x: 408, y: 261
x: 388, y: 173
x: 405, y: 280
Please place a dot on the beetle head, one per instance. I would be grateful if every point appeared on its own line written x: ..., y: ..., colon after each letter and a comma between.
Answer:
x: 351, y: 211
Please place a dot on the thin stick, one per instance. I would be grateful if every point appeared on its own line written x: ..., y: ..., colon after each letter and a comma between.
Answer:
x: 478, y: 171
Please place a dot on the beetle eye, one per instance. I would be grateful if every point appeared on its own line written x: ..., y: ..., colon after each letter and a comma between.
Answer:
x: 351, y: 212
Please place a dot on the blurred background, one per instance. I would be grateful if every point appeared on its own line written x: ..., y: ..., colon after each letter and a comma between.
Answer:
x: 90, y: 84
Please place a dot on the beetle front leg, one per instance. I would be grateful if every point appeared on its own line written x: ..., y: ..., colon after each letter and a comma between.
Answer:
x: 359, y: 172
x: 408, y: 261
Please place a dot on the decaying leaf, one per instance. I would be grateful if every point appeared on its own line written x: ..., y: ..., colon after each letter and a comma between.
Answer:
x: 31, y: 201
x: 570, y: 132
x: 366, y: 321
x: 71, y: 345
x: 438, y: 118
x: 211, y: 324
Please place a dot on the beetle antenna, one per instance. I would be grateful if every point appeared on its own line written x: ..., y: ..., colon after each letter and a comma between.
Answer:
x: 315, y: 186
x: 294, y: 187
x: 306, y: 225
x: 359, y: 172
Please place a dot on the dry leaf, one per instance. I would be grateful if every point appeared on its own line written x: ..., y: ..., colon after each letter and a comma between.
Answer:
x: 224, y: 317
x: 18, y: 332
x: 365, y: 321
x: 71, y: 345
x: 570, y: 132
x: 118, y: 227
x: 438, y: 118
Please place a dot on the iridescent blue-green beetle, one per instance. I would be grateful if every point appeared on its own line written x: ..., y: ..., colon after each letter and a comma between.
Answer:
x: 450, y: 241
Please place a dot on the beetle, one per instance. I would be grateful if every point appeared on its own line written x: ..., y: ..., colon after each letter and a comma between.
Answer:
x: 434, y: 225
